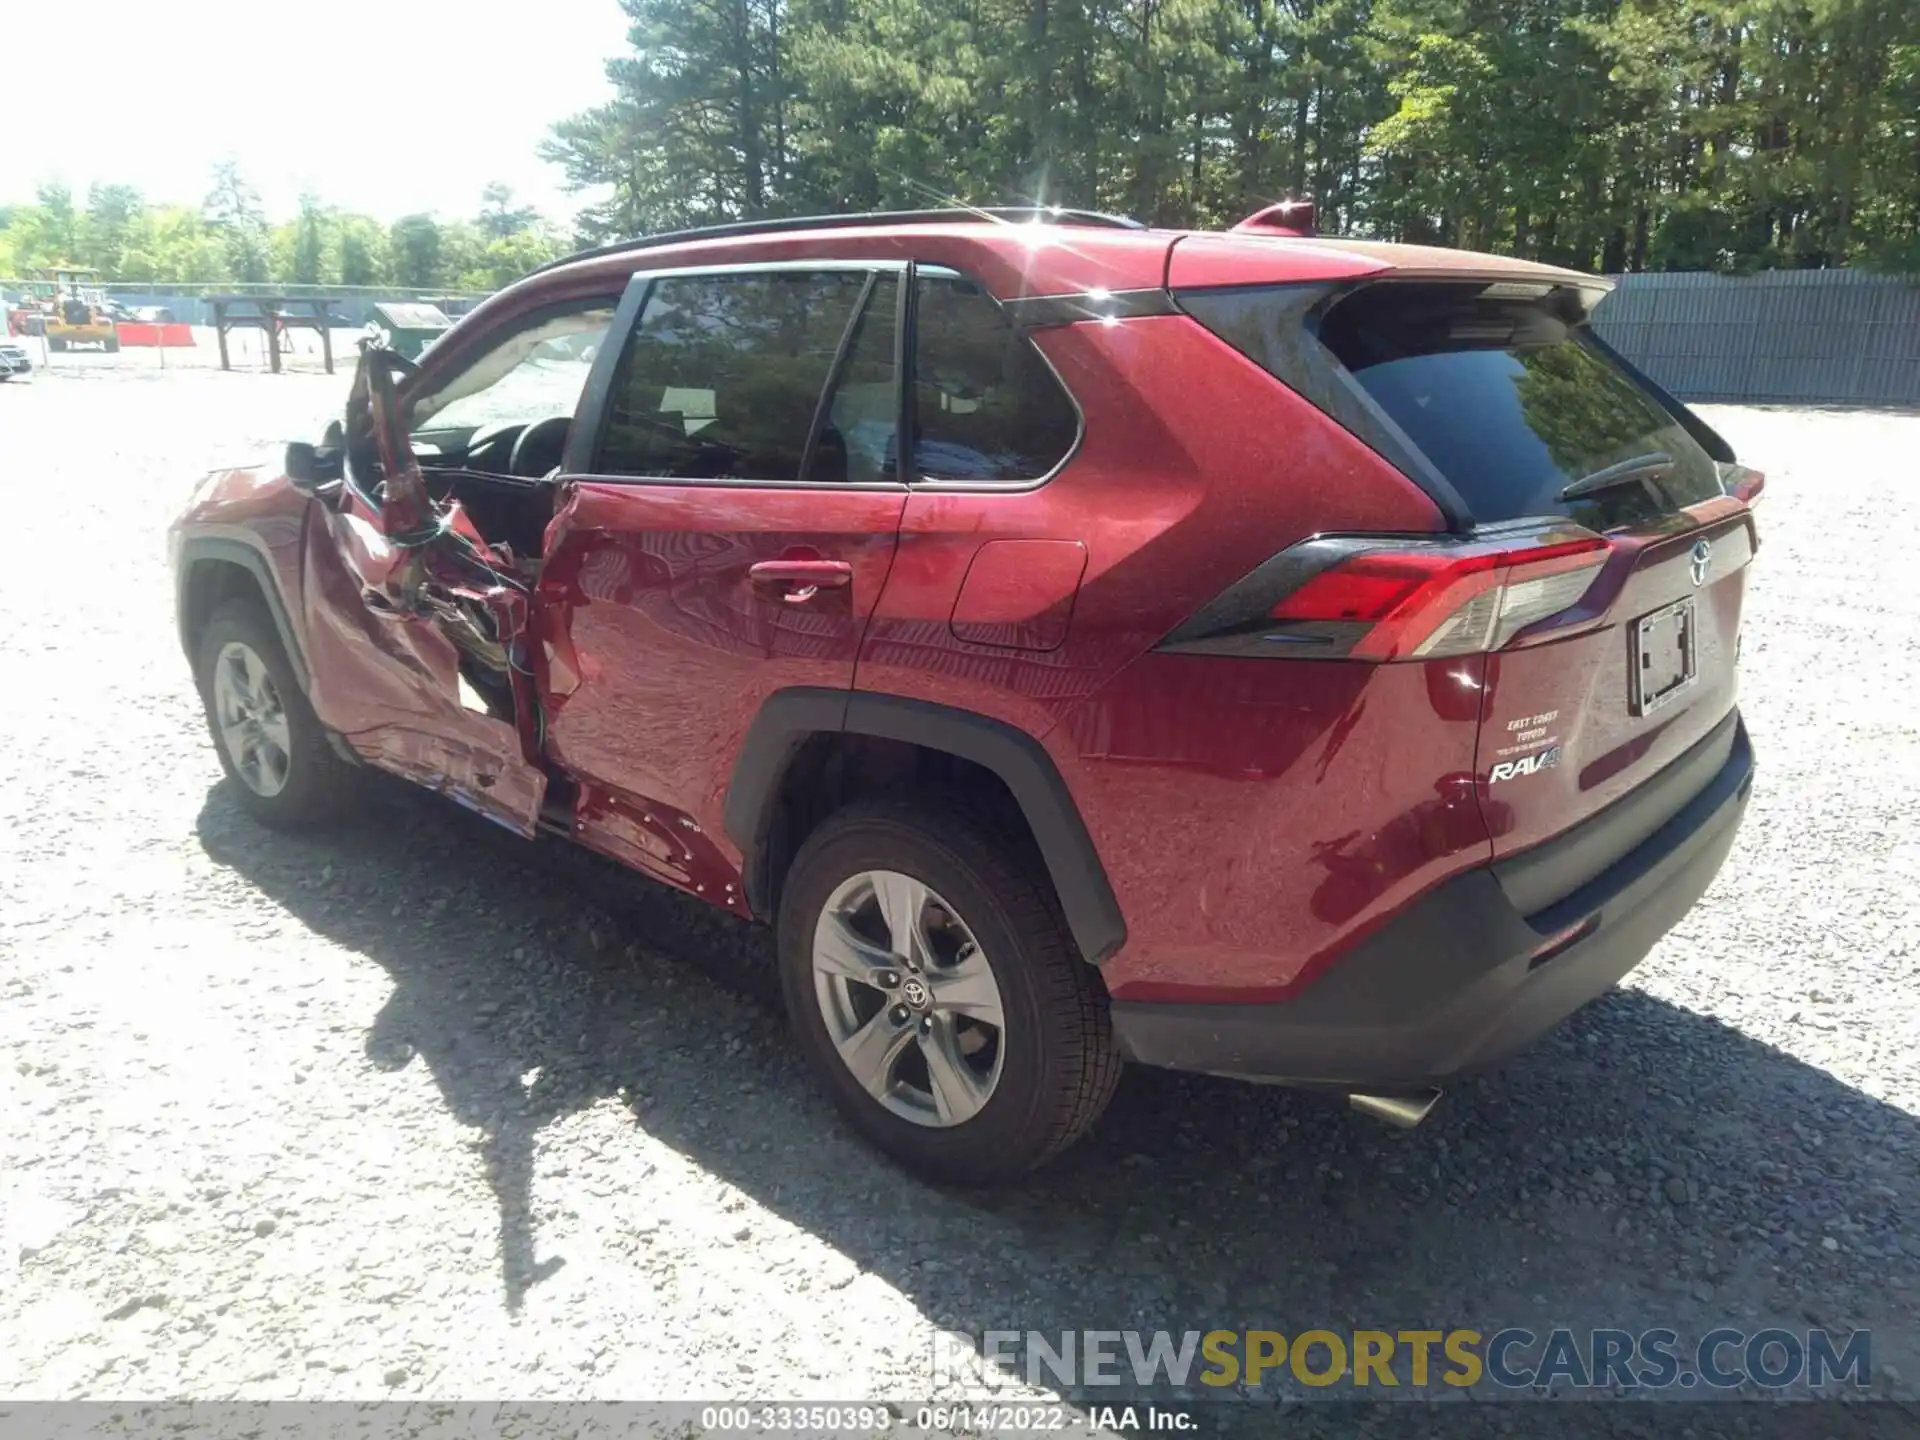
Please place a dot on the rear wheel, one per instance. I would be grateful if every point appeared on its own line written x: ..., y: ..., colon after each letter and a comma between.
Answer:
x: 937, y: 995
x: 270, y: 743
x: 113, y: 347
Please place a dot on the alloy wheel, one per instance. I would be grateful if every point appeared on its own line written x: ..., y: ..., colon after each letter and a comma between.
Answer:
x: 909, y: 1000
x: 252, y: 720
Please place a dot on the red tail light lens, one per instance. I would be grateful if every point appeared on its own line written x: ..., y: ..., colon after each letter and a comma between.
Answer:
x: 1742, y: 482
x: 1396, y: 599
x: 1427, y: 603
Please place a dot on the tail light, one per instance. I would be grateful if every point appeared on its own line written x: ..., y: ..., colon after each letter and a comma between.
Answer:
x: 1393, y: 599
x: 1742, y: 482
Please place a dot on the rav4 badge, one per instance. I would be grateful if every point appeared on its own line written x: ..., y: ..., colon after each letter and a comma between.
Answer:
x: 1525, y: 765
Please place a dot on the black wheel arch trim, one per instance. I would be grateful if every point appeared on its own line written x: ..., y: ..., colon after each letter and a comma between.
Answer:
x: 788, y: 718
x: 250, y: 553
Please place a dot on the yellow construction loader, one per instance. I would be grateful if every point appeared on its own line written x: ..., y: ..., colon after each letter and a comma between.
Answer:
x: 76, y: 311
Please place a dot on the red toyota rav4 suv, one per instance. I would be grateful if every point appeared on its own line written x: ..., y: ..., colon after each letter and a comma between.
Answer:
x: 1291, y: 658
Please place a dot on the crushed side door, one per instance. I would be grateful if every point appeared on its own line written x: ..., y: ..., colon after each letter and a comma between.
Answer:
x: 417, y: 627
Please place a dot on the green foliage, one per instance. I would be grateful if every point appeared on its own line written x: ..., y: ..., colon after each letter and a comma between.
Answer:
x: 363, y: 250
x: 56, y: 224
x: 1605, y: 134
x: 113, y: 214
x: 500, y: 218
x: 310, y: 242
x: 1601, y: 134
x: 228, y: 239
x: 232, y: 209
x: 416, y: 250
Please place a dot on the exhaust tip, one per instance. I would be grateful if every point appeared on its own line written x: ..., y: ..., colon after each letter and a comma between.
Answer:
x: 1403, y: 1112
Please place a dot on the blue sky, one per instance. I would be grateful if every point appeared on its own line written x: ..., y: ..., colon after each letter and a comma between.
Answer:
x: 171, y: 93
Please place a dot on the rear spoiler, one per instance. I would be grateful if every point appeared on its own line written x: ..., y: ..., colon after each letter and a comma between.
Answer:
x: 1298, y: 218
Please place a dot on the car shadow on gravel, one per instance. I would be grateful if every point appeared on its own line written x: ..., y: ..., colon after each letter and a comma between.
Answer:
x: 1644, y: 1166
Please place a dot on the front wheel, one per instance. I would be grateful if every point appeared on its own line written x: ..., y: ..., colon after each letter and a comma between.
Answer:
x: 270, y: 742
x: 937, y: 995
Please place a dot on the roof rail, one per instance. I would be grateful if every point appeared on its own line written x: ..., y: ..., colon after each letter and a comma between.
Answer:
x: 1015, y: 214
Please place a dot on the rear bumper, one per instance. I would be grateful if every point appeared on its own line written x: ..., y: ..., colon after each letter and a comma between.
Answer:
x: 1459, y: 981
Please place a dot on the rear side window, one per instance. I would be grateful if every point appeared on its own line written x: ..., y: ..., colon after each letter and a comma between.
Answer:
x: 1507, y: 397
x: 723, y: 374
x: 986, y: 407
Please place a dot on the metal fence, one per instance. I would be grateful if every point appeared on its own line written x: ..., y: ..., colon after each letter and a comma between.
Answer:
x: 352, y: 304
x: 1802, y: 337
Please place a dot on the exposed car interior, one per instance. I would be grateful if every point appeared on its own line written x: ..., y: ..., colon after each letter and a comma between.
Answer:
x: 493, y: 436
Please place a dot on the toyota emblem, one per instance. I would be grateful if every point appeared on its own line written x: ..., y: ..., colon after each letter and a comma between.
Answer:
x: 1702, y: 554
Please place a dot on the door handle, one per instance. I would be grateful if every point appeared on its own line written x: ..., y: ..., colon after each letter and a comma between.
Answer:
x: 803, y: 579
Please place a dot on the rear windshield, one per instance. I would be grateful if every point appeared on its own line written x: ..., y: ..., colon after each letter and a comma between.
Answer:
x: 1512, y: 401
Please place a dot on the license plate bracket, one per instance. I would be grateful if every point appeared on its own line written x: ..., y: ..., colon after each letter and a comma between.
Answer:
x: 1664, y: 661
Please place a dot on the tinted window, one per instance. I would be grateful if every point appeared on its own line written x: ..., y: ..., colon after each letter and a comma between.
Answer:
x: 1512, y: 403
x: 723, y: 374
x: 986, y: 406
x: 856, y: 442
x: 1509, y: 399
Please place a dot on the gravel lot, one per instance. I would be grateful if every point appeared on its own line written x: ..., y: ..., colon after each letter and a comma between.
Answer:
x: 414, y: 1109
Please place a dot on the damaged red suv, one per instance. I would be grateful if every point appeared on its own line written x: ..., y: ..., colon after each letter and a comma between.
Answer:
x: 1282, y: 657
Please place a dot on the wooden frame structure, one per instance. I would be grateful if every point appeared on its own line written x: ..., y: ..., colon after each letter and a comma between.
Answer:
x: 275, y: 315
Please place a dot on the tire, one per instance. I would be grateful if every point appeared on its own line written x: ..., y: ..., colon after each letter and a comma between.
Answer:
x: 1026, y: 1088
x: 307, y: 784
x: 112, y: 347
x: 58, y: 346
